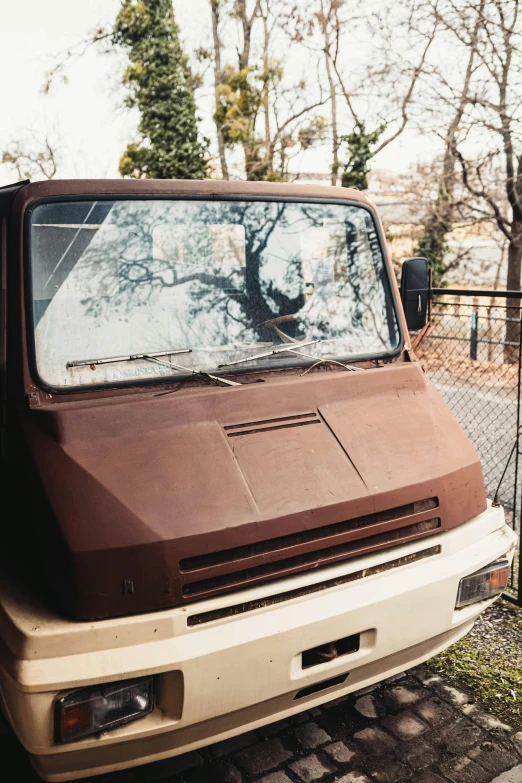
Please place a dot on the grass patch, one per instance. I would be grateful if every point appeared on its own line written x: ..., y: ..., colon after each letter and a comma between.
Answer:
x: 490, y: 665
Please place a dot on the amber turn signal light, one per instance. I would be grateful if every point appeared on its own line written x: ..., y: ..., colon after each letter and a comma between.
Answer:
x: 88, y: 711
x: 483, y: 584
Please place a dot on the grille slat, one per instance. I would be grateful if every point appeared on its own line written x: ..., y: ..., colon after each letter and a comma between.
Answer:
x: 272, y: 600
x: 318, y: 534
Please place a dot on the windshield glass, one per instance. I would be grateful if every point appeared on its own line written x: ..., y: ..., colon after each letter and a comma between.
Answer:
x: 226, y: 279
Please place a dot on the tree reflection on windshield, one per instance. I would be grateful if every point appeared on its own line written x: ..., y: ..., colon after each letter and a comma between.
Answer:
x: 221, y: 277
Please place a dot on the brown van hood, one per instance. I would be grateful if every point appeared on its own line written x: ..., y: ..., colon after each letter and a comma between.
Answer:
x: 138, y: 484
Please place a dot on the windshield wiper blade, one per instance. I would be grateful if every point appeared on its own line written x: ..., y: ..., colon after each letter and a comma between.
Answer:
x: 130, y: 358
x: 290, y: 348
x: 225, y: 381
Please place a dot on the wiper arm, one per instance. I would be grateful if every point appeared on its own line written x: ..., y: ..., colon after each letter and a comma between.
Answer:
x: 153, y: 357
x: 291, y: 348
x: 132, y: 357
x: 225, y: 381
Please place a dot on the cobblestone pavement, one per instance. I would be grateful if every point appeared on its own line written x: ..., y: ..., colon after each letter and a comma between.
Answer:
x: 413, y: 727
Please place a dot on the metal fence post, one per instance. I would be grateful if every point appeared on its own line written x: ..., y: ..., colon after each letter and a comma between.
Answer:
x: 519, y: 401
x: 473, y: 335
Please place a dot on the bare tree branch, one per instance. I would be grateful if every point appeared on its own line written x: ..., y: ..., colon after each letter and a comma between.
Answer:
x: 409, y: 93
x: 502, y: 222
x: 31, y: 158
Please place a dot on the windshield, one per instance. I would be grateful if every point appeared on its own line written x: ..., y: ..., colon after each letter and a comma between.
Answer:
x: 225, y: 279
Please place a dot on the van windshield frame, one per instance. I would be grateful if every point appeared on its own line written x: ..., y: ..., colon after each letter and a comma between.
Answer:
x: 284, y: 329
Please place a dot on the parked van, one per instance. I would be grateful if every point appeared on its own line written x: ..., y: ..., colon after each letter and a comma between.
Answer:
x: 230, y: 492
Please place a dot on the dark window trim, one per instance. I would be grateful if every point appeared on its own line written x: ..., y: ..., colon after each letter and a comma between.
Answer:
x: 135, y: 383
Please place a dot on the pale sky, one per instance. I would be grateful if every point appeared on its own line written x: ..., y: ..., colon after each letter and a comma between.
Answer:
x: 86, y: 117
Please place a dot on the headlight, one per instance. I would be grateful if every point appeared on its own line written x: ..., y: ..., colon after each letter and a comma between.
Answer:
x: 486, y: 583
x: 88, y: 711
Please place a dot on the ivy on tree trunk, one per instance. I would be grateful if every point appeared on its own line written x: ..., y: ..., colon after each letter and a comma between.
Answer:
x: 360, y: 143
x: 159, y: 82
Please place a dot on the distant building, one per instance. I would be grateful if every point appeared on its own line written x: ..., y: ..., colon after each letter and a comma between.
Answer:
x: 478, y: 251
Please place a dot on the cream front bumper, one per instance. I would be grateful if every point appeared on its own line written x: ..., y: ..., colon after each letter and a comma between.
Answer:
x: 229, y: 675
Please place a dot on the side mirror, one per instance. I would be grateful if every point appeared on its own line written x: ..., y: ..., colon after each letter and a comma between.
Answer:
x: 415, y: 292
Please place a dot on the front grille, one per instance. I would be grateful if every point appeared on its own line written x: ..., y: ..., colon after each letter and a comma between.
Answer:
x: 214, y: 573
x: 312, y: 559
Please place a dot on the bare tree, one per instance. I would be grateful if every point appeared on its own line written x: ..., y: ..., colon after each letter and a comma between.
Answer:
x: 490, y: 152
x: 376, y: 96
x: 268, y: 27
x: 247, y: 16
x: 236, y: 100
x: 391, y: 81
x: 257, y: 106
x: 439, y: 221
x: 317, y: 27
x: 330, y: 26
x: 248, y: 100
x: 97, y: 36
x: 216, y: 7
x: 31, y: 159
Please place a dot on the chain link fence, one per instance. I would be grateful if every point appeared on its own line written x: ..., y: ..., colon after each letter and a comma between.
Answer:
x: 471, y: 352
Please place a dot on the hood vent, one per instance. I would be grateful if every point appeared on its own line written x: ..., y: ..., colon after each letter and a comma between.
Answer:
x: 267, y: 425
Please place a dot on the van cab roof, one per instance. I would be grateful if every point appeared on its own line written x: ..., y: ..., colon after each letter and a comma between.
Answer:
x: 151, y: 187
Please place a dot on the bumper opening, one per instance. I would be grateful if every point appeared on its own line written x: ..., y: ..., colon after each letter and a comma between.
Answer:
x: 330, y: 651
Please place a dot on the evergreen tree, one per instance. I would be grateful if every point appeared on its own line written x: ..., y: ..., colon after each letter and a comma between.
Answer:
x: 160, y: 87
